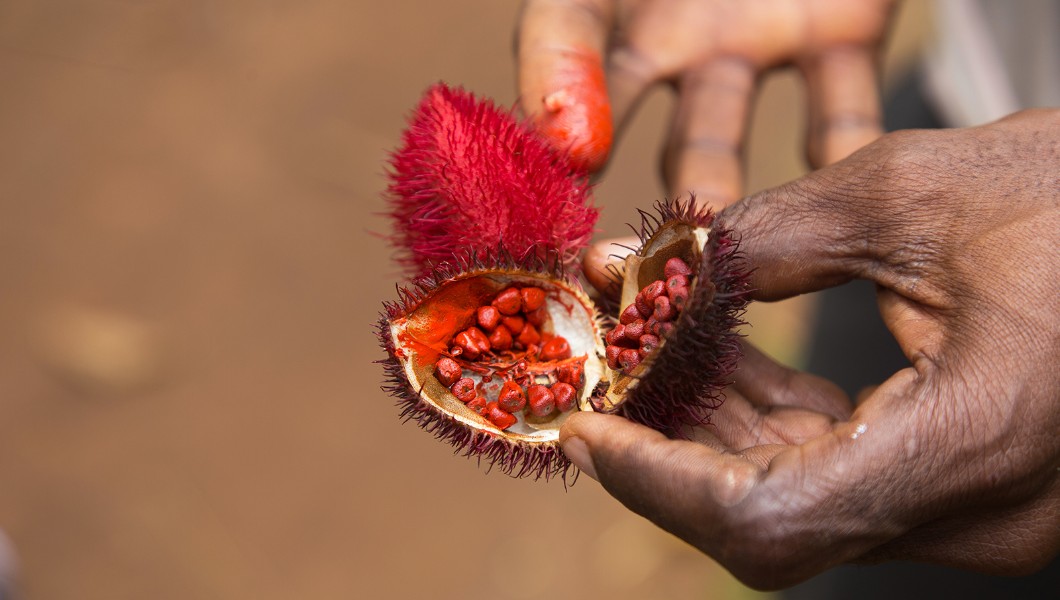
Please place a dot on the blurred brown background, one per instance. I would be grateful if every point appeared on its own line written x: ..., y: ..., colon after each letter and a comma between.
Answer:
x: 188, y: 282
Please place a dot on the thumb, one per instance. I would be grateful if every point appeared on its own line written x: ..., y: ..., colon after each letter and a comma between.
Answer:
x: 861, y: 218
x: 671, y: 482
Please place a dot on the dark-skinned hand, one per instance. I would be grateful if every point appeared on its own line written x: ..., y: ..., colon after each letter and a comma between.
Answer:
x: 713, y: 53
x: 954, y: 460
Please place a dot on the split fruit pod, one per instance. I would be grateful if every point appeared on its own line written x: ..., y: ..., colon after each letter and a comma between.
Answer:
x: 493, y: 355
x: 495, y: 344
x: 683, y: 293
x: 511, y: 418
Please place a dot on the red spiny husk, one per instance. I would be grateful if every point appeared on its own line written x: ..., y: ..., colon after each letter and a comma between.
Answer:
x: 512, y: 458
x: 688, y: 376
x: 471, y: 177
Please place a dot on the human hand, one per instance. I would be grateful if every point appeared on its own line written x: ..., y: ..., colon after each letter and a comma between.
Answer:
x: 954, y: 460
x: 712, y: 52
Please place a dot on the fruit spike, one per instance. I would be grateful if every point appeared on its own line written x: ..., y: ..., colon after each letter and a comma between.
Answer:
x: 471, y: 177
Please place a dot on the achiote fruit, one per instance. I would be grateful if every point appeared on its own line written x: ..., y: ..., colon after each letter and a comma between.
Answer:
x: 496, y: 343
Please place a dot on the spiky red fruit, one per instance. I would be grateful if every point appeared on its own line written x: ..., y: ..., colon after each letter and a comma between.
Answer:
x: 692, y: 357
x: 492, y: 220
x: 470, y: 176
x: 417, y: 332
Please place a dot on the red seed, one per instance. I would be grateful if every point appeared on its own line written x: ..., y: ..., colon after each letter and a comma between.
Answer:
x: 488, y: 317
x: 634, y: 330
x: 509, y: 302
x: 447, y: 371
x: 478, y: 405
x: 643, y: 306
x: 648, y: 343
x: 529, y: 336
x: 565, y: 395
x: 628, y: 360
x: 630, y: 314
x: 653, y: 290
x: 500, y: 418
x: 464, y: 389
x: 612, y: 353
x: 469, y: 343
x: 665, y: 329
x: 537, y: 317
x: 511, y: 397
x: 615, y: 334
x: 555, y: 349
x: 514, y: 324
x: 533, y: 298
x: 663, y: 310
x: 651, y: 326
x: 571, y: 374
x: 678, y: 297
x: 677, y: 281
x: 542, y: 402
x: 676, y: 266
x: 480, y: 339
x: 501, y: 339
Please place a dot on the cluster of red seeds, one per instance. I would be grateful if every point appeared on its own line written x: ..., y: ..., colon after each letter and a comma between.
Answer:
x: 650, y: 317
x: 507, y: 341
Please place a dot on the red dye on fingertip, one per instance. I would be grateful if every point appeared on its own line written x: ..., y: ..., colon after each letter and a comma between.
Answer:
x: 576, y: 115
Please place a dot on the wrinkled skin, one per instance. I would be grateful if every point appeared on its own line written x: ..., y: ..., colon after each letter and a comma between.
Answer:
x: 954, y: 460
x: 713, y: 52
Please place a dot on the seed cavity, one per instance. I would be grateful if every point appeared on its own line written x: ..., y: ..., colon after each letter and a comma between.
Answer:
x: 649, y: 318
x: 511, y: 344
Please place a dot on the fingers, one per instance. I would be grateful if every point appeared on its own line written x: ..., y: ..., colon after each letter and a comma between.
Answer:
x: 703, y: 153
x: 629, y: 75
x: 917, y: 330
x: 766, y: 524
x: 561, y: 46
x: 601, y: 261
x: 770, y: 404
x: 766, y: 383
x: 674, y: 483
x: 844, y: 106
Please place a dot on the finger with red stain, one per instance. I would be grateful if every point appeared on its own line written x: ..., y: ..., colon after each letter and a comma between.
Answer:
x: 562, y: 82
x: 576, y: 115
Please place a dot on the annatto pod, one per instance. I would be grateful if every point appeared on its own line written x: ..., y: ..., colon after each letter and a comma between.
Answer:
x: 551, y: 350
x: 471, y: 177
x: 683, y: 293
x: 493, y: 348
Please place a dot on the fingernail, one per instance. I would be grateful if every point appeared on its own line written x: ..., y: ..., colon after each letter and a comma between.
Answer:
x: 578, y: 453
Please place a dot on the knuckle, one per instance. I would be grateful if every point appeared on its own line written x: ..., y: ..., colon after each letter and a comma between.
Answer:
x: 904, y: 163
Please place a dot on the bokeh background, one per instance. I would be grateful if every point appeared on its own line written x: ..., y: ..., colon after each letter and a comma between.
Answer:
x: 190, y: 269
